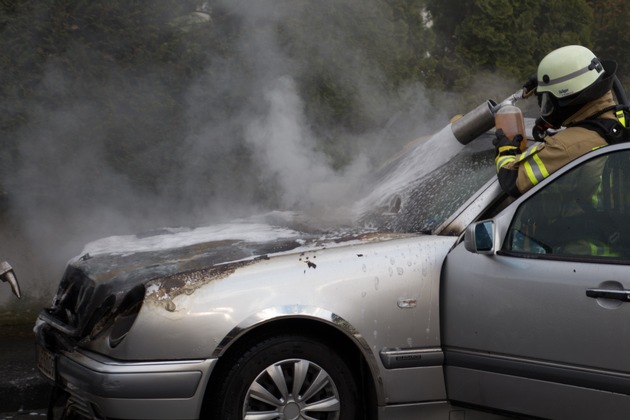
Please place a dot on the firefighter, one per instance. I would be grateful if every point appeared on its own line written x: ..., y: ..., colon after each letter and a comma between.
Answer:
x: 573, y: 86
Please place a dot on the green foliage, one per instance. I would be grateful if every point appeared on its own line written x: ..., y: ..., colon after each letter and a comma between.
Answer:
x: 611, y: 36
x: 505, y: 37
x: 345, y: 49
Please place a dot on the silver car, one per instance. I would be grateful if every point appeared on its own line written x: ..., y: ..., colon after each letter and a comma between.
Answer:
x: 451, y: 301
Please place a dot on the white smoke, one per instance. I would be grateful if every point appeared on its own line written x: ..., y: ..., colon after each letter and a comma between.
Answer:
x: 288, y: 150
x: 69, y: 187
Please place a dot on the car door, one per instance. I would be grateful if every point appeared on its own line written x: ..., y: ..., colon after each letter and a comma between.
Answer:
x: 536, y: 302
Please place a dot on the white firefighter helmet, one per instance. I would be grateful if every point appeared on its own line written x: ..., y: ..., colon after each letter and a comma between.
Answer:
x: 568, y: 70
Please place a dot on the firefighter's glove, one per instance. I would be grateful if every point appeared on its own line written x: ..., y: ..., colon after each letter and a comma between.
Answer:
x: 505, y: 146
x: 530, y: 86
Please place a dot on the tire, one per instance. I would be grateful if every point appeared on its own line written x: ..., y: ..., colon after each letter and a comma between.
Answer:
x: 260, y: 383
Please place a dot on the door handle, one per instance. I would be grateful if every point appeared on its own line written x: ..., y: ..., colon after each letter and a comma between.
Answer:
x: 622, y: 295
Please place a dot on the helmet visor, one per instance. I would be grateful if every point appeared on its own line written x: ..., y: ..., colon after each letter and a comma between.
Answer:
x: 546, y: 104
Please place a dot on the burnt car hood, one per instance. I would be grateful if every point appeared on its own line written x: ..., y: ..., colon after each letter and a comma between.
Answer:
x: 97, y: 281
x: 140, y: 258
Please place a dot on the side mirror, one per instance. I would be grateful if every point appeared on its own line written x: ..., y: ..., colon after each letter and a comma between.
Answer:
x: 479, y: 237
x: 7, y: 275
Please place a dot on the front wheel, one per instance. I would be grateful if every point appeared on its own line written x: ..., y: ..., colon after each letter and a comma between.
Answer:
x: 287, y: 377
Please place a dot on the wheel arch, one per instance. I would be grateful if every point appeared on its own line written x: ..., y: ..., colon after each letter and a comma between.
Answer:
x: 324, y: 325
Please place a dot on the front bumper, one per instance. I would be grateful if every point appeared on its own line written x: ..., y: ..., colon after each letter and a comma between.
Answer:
x: 99, y: 387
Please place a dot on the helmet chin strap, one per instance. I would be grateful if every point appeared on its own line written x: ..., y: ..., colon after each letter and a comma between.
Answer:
x: 539, y: 131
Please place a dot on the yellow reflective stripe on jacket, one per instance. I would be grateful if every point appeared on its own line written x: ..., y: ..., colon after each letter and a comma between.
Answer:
x: 596, y: 250
x: 501, y: 161
x: 621, y: 117
x: 537, y: 171
x: 527, y: 153
x: 596, y: 197
x: 601, y: 250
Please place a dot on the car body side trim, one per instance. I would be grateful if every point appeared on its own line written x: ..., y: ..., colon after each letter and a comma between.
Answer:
x: 410, y: 358
x: 582, y: 259
x: 584, y: 377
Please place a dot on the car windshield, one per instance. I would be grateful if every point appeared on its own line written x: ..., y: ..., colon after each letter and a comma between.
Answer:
x: 429, y: 197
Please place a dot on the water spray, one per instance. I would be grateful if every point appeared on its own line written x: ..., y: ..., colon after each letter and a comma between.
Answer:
x: 481, y: 119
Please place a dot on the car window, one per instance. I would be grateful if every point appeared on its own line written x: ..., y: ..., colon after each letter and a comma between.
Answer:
x: 427, y: 202
x: 582, y: 214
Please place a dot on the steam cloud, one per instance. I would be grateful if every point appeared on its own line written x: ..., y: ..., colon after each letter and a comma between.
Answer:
x: 66, y: 191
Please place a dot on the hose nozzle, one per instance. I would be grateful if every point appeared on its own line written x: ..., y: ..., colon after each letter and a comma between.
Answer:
x: 481, y: 119
x: 474, y: 123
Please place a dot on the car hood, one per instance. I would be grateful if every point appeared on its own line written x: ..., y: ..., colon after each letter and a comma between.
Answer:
x: 109, y: 269
x: 140, y: 258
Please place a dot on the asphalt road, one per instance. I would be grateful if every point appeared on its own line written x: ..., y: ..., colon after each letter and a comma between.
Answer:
x: 24, y: 415
x: 24, y: 393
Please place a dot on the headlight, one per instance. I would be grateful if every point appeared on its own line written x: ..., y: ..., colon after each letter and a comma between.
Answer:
x: 126, y: 315
x: 117, y: 319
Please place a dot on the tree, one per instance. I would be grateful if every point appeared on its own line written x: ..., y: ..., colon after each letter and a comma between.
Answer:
x: 611, y: 33
x: 505, y: 37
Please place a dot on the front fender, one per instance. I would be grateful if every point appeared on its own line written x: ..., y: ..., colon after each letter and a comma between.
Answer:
x: 386, y: 292
x: 295, y: 311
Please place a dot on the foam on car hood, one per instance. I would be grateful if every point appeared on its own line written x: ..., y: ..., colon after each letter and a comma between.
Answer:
x: 133, y: 258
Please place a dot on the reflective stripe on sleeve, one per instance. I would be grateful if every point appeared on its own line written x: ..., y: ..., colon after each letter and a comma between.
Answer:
x: 537, y: 171
x: 527, y: 153
x: 501, y: 161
